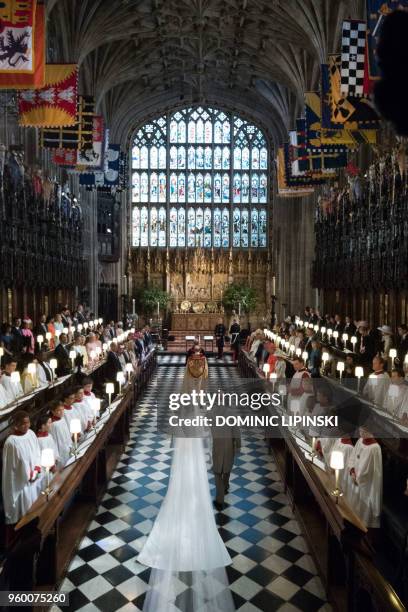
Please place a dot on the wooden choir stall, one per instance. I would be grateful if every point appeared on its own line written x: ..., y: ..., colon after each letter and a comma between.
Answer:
x: 43, y: 542
x: 352, y: 560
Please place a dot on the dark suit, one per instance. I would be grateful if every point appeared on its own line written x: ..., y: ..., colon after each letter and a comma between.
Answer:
x: 64, y: 363
x: 219, y: 333
x: 226, y: 444
x: 402, y: 349
x: 18, y: 340
x: 112, y: 367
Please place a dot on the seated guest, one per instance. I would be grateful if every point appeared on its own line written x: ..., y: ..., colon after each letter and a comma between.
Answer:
x: 28, y: 337
x: 396, y: 393
x: 82, y: 408
x: 62, y: 356
x: 338, y: 325
x: 51, y: 330
x: 44, y: 436
x: 139, y: 345
x: 41, y: 328
x: 91, y: 344
x: 44, y: 371
x: 366, y: 473
x: 18, y: 341
x: 300, y: 340
x: 113, y: 364
x: 6, y: 338
x: 130, y: 353
x: 366, y: 348
x: 402, y: 344
x: 315, y: 359
x: 60, y: 431
x: 377, y: 384
x: 122, y: 357
x: 58, y: 324
x: 79, y: 347
x: 29, y: 380
x: 387, y: 341
x: 21, y: 469
x: 13, y: 390
x: 349, y: 327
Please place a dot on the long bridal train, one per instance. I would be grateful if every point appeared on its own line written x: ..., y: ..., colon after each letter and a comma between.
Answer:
x: 184, y: 543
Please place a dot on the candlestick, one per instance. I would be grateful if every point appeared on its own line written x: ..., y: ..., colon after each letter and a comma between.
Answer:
x: 239, y: 309
x: 32, y: 371
x: 273, y: 377
x: 110, y: 388
x: 340, y: 368
x: 335, y: 336
x: 266, y: 367
x: 120, y: 378
x: 313, y: 453
x: 40, y: 340
x: 158, y: 310
x: 354, y: 342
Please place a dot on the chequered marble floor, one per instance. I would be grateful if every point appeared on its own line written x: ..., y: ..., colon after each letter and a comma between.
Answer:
x: 271, y: 568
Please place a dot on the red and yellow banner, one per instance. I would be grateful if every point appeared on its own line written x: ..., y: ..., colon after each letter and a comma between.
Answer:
x: 22, y: 45
x: 54, y: 105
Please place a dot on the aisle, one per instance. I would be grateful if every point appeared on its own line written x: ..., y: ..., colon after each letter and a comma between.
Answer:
x: 271, y: 567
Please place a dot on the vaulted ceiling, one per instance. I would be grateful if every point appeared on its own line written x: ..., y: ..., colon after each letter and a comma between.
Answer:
x: 143, y: 57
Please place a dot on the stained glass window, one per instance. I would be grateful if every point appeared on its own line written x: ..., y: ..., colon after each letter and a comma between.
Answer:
x: 199, y: 178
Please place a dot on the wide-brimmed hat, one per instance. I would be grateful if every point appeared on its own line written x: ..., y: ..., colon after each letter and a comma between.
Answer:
x: 385, y: 329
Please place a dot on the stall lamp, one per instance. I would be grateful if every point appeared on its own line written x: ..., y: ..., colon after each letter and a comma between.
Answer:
x: 393, y: 354
x: 75, y: 430
x: 337, y: 464
x: 40, y: 340
x: 72, y: 356
x: 359, y: 372
x: 340, y: 368
x: 120, y: 378
x: 47, y: 462
x: 53, y: 366
x: 110, y: 389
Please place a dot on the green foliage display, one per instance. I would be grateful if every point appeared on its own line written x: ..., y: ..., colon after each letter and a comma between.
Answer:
x: 147, y: 299
x: 236, y: 294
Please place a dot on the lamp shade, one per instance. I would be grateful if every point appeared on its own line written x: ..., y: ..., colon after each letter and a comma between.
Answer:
x: 337, y: 460
x: 65, y: 330
x: 96, y: 404
x: 48, y: 335
x: 47, y: 458
x: 298, y: 352
x: 86, y: 325
x: 340, y: 366
x: 295, y: 406
x: 274, y: 376
x: 310, y: 325
x: 335, y: 334
x: 98, y: 350
x: 353, y: 339
x: 266, y: 367
x: 110, y: 388
x: 359, y: 372
x: 57, y: 333
x: 129, y: 367
x: 305, y: 355
x: 344, y: 337
x: 323, y: 329
x: 316, y: 328
x: 72, y: 354
x: 53, y: 364
x: 75, y: 426
x: 406, y: 358
x: 79, y: 327
x: 40, y: 338
x: 120, y: 377
x: 100, y: 321
x: 1, y: 351
x: 15, y: 377
x: 393, y: 353
x: 325, y: 357
x: 329, y: 331
x: 31, y: 368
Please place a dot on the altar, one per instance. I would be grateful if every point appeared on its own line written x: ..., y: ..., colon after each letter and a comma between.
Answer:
x: 194, y: 322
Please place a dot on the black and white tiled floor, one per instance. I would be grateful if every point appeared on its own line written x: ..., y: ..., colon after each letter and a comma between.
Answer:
x: 271, y: 568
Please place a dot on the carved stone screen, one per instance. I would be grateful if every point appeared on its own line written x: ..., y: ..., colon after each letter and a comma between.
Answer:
x: 199, y: 179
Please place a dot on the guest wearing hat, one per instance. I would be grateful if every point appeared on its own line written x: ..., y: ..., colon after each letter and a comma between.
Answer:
x: 386, y: 340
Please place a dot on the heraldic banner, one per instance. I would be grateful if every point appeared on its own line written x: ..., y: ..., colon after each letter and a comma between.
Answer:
x: 55, y: 105
x: 22, y: 44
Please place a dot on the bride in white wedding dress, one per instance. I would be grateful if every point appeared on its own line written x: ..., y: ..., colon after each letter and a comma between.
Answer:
x: 184, y: 537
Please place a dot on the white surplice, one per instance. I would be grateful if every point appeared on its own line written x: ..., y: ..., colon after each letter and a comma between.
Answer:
x: 366, y: 495
x: 13, y: 390
x: 21, y: 455
x: 4, y: 397
x: 62, y: 437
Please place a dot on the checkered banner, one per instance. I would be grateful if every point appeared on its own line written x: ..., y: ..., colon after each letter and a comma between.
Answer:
x: 353, y: 57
